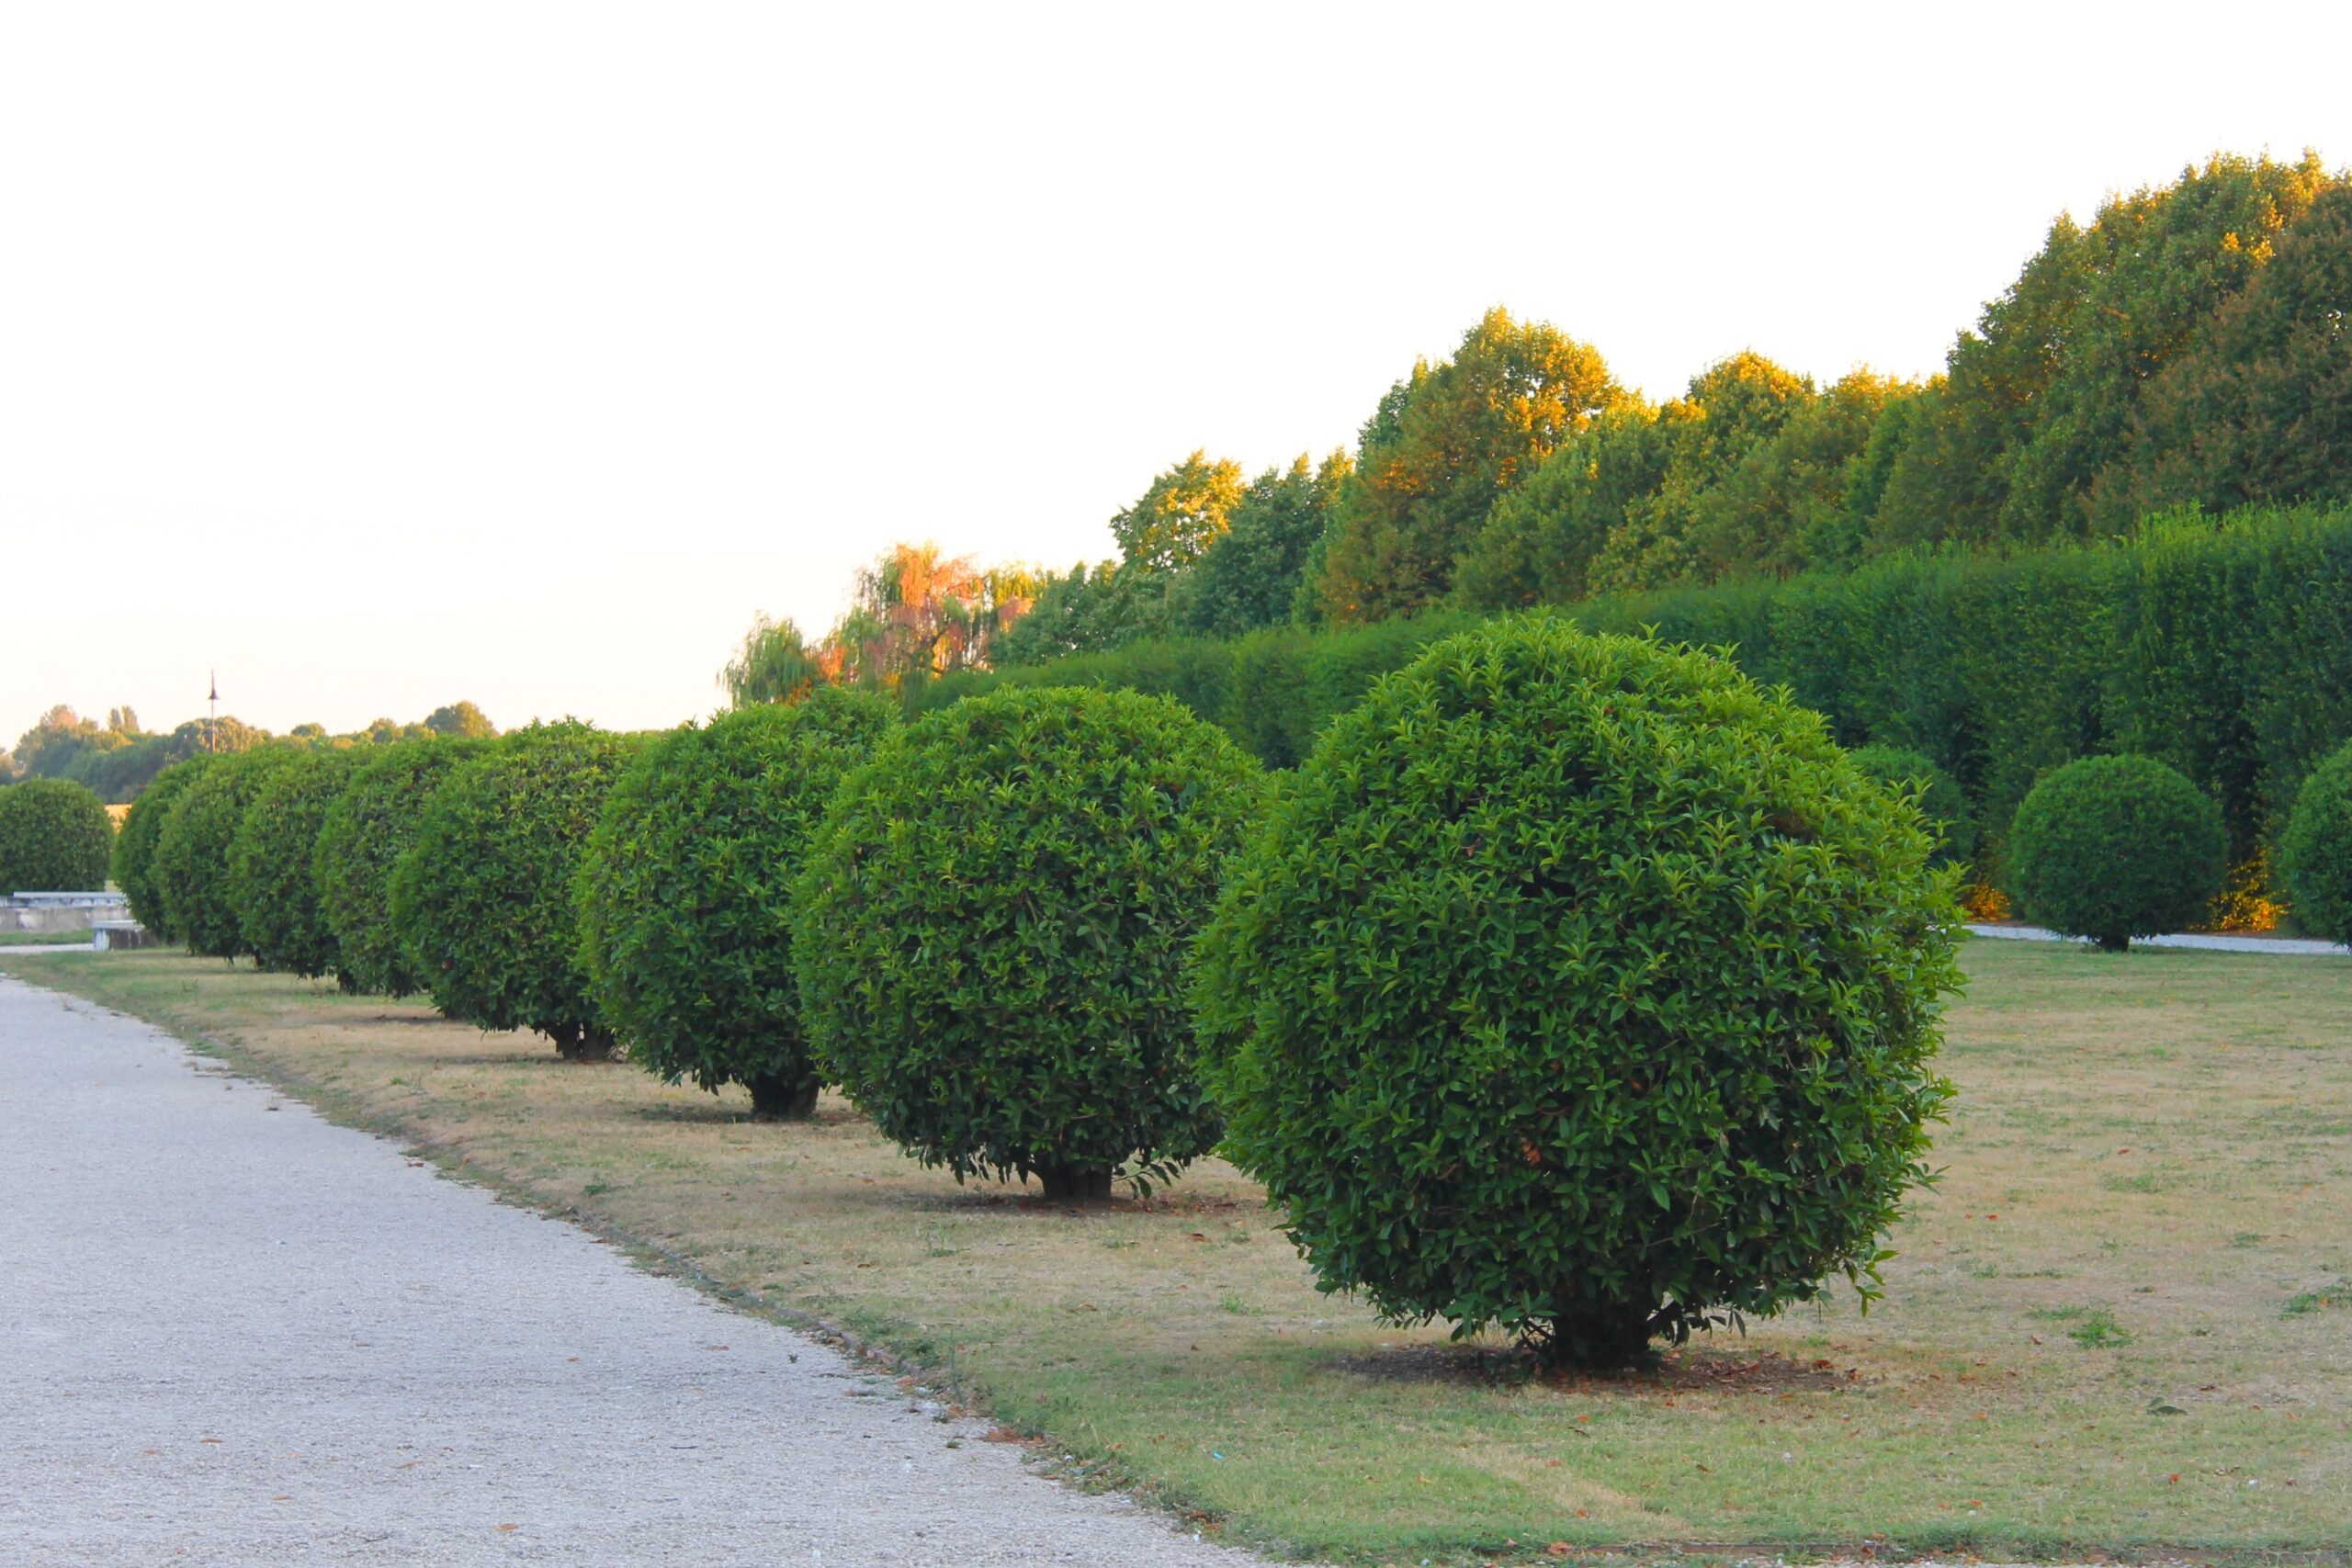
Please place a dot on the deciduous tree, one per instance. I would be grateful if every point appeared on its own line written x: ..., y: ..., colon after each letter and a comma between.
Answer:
x: 1175, y: 521
x: 1249, y: 575
x: 2260, y: 408
x: 1443, y: 446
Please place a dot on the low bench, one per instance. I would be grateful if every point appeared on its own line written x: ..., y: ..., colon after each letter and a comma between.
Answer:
x: 120, y: 936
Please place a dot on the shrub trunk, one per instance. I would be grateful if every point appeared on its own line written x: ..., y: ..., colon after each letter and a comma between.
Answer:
x: 1076, y: 1183
x: 582, y: 1043
x: 1597, y: 1334
x: 775, y: 1097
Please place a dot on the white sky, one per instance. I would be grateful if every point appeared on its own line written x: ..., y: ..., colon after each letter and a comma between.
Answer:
x: 384, y: 355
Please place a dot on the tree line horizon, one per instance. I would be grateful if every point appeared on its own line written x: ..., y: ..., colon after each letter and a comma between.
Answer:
x: 2187, y: 349
x: 118, y: 759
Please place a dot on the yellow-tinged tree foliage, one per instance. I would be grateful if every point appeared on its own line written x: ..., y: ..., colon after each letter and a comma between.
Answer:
x: 2043, y: 394
x: 1249, y: 575
x: 1445, y: 445
x: 1646, y: 498
x: 1172, y: 524
x: 1783, y: 505
x: 1732, y: 406
x: 2259, y: 407
x: 1538, y: 547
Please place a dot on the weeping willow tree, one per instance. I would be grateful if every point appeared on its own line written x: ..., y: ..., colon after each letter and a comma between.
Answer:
x: 916, y: 613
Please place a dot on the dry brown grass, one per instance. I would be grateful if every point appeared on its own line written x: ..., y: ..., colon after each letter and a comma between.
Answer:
x: 2148, y: 1206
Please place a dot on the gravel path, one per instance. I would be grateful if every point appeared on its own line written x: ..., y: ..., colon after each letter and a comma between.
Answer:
x: 2297, y: 946
x: 232, y: 1333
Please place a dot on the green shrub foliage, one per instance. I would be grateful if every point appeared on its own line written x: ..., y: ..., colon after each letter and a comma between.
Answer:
x: 362, y: 835
x: 191, y: 864
x: 1940, y: 798
x: 269, y: 863
x: 55, y: 837
x: 2315, y: 852
x: 991, y: 933
x: 2111, y: 848
x: 134, y: 846
x: 1580, y: 986
x: 685, y: 919
x: 483, y: 897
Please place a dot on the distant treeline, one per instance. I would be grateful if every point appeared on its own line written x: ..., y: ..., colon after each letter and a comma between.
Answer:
x: 2224, y: 647
x: 118, y: 759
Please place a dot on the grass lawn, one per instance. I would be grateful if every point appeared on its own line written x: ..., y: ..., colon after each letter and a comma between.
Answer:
x: 2123, y: 1321
x: 45, y: 939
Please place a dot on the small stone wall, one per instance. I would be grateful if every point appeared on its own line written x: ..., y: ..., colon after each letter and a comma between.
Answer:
x: 61, y: 911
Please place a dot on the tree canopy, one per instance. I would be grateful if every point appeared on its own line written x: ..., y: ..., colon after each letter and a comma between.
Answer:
x: 916, y: 613
x: 1184, y: 511
x: 1445, y: 446
x: 1249, y: 576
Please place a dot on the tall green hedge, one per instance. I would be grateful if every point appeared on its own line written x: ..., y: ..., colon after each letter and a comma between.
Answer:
x: 1272, y: 691
x: 2220, y: 646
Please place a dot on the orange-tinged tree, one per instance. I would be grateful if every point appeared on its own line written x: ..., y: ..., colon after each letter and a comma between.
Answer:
x: 918, y: 613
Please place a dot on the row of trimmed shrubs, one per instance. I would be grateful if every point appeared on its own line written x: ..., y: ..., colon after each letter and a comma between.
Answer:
x: 1576, y: 983
x: 2220, y: 647
x: 55, y: 837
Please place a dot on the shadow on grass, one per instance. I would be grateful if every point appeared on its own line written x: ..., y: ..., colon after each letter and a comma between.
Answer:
x: 1025, y: 1197
x: 1690, y: 1369
x: 715, y: 1112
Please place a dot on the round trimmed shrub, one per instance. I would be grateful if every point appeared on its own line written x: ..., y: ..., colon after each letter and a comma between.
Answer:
x: 2315, y: 852
x: 1938, y: 795
x: 134, y: 846
x: 1580, y: 986
x: 269, y: 863
x: 2115, y: 847
x: 685, y: 894
x: 191, y: 865
x: 482, y: 895
x: 361, y: 837
x: 55, y: 837
x: 991, y: 933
